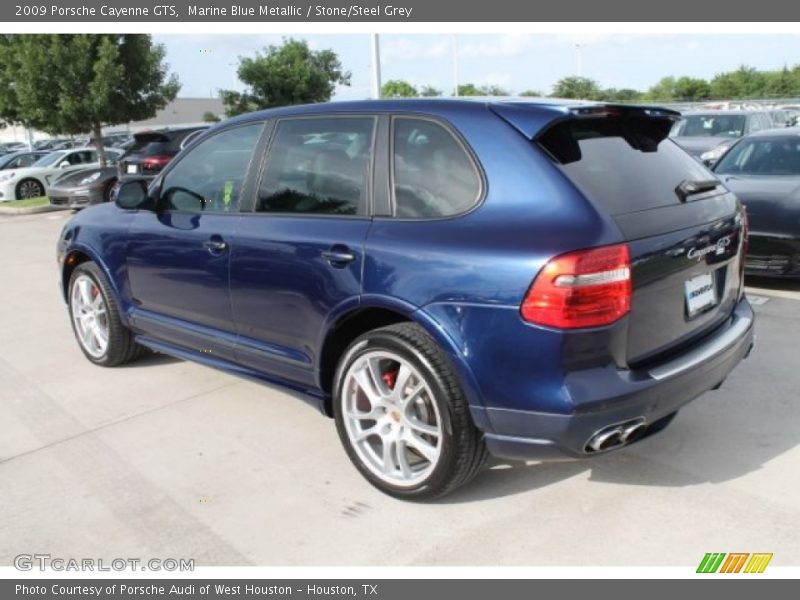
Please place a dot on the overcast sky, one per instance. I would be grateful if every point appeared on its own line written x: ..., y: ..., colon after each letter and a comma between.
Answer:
x: 206, y: 63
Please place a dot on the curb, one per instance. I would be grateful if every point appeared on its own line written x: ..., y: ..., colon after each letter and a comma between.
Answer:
x: 31, y: 210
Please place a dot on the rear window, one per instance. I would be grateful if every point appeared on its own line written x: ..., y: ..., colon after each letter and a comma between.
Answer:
x: 713, y: 125
x: 626, y: 165
x: 762, y: 156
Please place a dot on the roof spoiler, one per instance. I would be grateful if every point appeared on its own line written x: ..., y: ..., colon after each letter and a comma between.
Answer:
x: 531, y: 119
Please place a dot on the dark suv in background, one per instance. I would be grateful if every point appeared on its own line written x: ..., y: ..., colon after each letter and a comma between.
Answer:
x: 447, y: 279
x: 153, y: 150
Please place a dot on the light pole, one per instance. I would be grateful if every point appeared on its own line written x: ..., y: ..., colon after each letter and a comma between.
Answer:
x: 455, y: 65
x: 376, y: 65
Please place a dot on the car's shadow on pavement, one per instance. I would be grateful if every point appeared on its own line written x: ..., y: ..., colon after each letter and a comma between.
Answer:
x: 772, y: 283
x: 150, y: 359
x: 723, y: 435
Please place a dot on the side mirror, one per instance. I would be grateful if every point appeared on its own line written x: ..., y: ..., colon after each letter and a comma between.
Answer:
x: 132, y: 195
x: 709, y: 163
x: 64, y: 164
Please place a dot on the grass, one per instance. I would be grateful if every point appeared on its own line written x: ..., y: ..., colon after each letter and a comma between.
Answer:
x: 26, y: 203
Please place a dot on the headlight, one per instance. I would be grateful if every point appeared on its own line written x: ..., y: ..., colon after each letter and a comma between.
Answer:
x: 90, y: 179
x: 713, y: 155
x: 7, y: 176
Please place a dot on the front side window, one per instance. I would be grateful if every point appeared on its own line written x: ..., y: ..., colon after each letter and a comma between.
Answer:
x: 318, y: 166
x: 211, y: 176
x: 762, y: 156
x: 433, y: 174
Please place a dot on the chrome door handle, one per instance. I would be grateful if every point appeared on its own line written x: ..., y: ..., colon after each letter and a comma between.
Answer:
x: 215, y: 246
x: 338, y: 257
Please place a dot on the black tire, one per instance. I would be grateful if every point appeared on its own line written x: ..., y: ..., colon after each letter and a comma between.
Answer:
x: 463, y: 451
x: 121, y: 346
x: 108, y: 190
x: 29, y: 188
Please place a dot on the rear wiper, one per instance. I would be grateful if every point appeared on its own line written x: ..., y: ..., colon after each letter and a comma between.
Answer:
x: 688, y: 187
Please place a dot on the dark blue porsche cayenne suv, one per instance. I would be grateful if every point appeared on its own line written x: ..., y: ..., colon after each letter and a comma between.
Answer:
x: 447, y: 279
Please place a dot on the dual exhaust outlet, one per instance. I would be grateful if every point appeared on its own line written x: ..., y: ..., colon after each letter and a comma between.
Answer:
x: 616, y: 436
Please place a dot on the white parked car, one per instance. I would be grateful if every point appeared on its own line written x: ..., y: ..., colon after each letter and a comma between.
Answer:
x: 35, y: 180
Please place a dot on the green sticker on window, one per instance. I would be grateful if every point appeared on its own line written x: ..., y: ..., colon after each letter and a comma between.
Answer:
x: 227, y: 193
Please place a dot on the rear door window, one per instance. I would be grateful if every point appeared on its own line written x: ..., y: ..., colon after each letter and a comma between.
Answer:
x: 318, y: 166
x: 624, y: 164
x: 434, y: 175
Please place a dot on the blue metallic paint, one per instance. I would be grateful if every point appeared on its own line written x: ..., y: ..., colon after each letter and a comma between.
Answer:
x: 265, y: 309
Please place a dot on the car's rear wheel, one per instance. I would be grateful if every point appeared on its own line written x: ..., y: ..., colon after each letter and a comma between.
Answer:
x: 95, y: 319
x: 402, y: 416
x: 29, y: 188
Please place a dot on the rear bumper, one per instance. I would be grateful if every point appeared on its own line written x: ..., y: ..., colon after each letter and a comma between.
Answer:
x: 773, y: 255
x: 610, y: 396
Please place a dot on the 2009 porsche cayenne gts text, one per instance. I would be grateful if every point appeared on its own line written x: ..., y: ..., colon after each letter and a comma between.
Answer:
x: 447, y: 279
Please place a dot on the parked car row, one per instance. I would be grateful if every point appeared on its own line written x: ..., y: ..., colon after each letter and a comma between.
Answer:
x: 74, y: 177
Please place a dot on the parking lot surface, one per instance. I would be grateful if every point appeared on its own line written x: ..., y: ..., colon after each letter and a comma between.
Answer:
x: 164, y: 458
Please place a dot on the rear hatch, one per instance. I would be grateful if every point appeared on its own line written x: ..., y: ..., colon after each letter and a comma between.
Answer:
x: 684, y: 230
x: 151, y: 152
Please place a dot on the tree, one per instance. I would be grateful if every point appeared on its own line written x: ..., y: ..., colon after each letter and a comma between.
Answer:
x: 691, y: 88
x: 428, y: 91
x: 469, y: 89
x: 210, y: 117
x: 620, y: 95
x: 291, y: 73
x: 576, y: 87
x: 782, y: 84
x: 397, y: 88
x: 663, y: 91
x: 744, y: 82
x: 532, y: 94
x: 493, y: 90
x: 74, y: 83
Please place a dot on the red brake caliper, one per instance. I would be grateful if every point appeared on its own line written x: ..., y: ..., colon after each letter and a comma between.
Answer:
x: 390, y: 378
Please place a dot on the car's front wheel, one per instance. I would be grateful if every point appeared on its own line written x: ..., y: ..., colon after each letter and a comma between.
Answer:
x: 402, y: 417
x: 95, y: 318
x: 29, y: 188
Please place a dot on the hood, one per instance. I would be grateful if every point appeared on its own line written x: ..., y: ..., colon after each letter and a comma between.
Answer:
x: 697, y: 145
x: 73, y: 178
x: 772, y: 202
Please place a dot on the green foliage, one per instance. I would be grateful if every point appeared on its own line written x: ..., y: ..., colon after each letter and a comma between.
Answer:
x: 210, y: 117
x: 532, y: 94
x: 577, y: 87
x: 397, y: 88
x: 291, y: 73
x: 470, y: 89
x: 428, y: 91
x: 74, y: 83
x: 620, y: 95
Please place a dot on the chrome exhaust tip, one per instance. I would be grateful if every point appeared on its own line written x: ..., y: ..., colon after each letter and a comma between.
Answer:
x: 632, y: 432
x: 605, y: 439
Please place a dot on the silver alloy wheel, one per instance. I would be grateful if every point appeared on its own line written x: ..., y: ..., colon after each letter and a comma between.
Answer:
x: 30, y: 189
x: 391, y: 418
x: 90, y: 315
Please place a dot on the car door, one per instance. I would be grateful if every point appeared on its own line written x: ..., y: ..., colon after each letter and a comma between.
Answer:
x: 178, y: 255
x: 298, y: 256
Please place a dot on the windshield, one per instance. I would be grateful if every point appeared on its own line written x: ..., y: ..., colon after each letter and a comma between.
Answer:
x: 49, y: 160
x: 771, y: 156
x: 712, y: 125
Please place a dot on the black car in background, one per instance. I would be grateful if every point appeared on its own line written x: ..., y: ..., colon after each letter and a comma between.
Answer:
x: 763, y: 170
x: 153, y: 150
x: 706, y: 135
x: 22, y: 159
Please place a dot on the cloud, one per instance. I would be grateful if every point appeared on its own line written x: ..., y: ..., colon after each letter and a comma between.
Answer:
x: 416, y: 48
x: 502, y: 46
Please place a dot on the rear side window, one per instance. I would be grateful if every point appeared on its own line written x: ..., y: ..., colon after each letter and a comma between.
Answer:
x: 434, y: 175
x: 626, y: 165
x: 318, y: 166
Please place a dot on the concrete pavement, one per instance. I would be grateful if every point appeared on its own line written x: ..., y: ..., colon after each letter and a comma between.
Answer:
x: 164, y: 458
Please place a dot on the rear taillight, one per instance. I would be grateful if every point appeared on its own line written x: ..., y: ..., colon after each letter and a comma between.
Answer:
x: 587, y: 288
x: 155, y: 163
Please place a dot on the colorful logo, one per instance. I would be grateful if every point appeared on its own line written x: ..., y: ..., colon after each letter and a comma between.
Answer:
x: 734, y: 562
